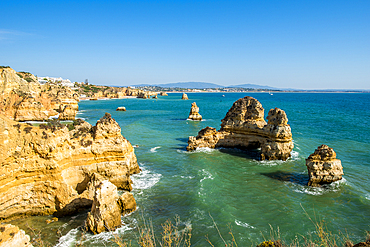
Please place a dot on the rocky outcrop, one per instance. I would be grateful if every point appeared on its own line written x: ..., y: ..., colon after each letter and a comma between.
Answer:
x: 23, y: 98
x: 163, y: 94
x: 184, y: 96
x: 107, y: 208
x: 55, y: 166
x: 145, y: 94
x: 244, y: 127
x: 121, y: 108
x: 323, y: 167
x: 194, y: 112
x: 12, y: 236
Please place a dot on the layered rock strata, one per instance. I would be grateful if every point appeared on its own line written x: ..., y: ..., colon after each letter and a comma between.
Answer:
x: 244, y: 127
x: 108, y: 207
x: 194, y: 112
x: 23, y: 98
x: 51, y: 170
x: 184, y: 96
x: 323, y: 167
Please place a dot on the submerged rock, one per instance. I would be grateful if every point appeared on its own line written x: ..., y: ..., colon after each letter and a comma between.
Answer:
x: 184, y: 96
x: 194, y: 113
x: 323, y: 167
x: 244, y: 127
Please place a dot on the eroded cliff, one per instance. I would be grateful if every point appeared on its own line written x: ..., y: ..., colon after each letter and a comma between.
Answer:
x: 50, y: 169
x: 23, y: 98
x: 244, y: 127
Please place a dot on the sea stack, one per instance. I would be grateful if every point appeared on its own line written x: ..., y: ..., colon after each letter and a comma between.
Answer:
x: 244, y: 127
x: 163, y: 94
x: 323, y: 167
x: 107, y: 208
x: 184, y: 96
x: 194, y: 113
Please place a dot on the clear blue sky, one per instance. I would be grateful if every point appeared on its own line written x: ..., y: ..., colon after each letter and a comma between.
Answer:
x: 286, y: 44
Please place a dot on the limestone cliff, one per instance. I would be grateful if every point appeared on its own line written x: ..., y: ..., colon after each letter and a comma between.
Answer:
x: 12, y: 236
x: 50, y: 169
x: 23, y: 98
x: 244, y: 127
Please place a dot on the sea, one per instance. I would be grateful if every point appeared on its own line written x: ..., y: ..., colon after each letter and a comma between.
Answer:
x: 225, y: 194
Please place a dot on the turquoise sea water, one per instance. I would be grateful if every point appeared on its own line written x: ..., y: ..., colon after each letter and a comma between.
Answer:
x: 231, y: 185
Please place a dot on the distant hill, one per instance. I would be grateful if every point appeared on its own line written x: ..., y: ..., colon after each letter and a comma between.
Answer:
x: 254, y: 86
x: 194, y: 85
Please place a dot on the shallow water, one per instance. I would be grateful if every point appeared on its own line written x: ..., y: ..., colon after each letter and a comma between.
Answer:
x: 231, y: 185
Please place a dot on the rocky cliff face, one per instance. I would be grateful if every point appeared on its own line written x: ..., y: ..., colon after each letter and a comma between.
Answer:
x: 22, y: 98
x: 244, y: 127
x: 51, y: 170
x: 323, y: 167
x: 12, y: 236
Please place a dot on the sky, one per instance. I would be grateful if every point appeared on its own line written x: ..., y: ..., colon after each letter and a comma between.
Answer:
x: 285, y: 44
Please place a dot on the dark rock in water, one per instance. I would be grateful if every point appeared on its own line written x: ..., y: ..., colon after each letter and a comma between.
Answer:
x: 244, y: 127
x: 323, y: 167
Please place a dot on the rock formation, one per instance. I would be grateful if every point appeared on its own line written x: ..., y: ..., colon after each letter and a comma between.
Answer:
x: 56, y: 168
x: 121, y: 108
x: 12, y: 236
x: 244, y: 127
x: 23, y: 98
x: 323, y: 167
x: 163, y: 94
x: 107, y: 208
x: 184, y: 96
x: 194, y: 112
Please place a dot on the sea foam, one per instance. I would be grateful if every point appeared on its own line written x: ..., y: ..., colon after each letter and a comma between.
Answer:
x: 145, y: 179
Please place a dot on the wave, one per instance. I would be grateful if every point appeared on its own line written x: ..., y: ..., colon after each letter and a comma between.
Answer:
x: 153, y: 150
x: 145, y: 179
x: 318, y: 191
x: 207, y: 175
x: 68, y: 239
x: 294, y: 155
x: 246, y: 225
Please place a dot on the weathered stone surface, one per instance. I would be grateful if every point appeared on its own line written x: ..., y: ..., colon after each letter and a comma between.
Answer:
x: 184, y: 96
x: 121, y: 108
x: 12, y: 236
x: 323, y: 167
x: 244, y: 127
x: 55, y: 168
x: 22, y: 98
x: 105, y: 212
x: 194, y: 113
x: 163, y: 94
x: 107, y: 208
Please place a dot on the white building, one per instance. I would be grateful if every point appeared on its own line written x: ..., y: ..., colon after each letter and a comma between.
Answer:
x: 64, y: 82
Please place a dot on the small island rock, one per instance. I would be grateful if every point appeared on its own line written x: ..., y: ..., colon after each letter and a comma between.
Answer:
x: 163, y: 94
x: 194, y: 113
x: 121, y: 108
x: 323, y: 167
x: 184, y: 96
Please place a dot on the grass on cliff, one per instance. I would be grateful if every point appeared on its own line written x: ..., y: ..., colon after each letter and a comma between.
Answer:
x: 173, y: 235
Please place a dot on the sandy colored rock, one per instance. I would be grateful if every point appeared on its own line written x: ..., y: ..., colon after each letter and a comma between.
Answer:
x: 323, y: 167
x: 244, y: 127
x: 194, y: 113
x: 23, y: 98
x: 105, y: 213
x: 121, y: 108
x: 184, y: 96
x: 55, y: 168
x: 163, y: 94
x: 12, y: 236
